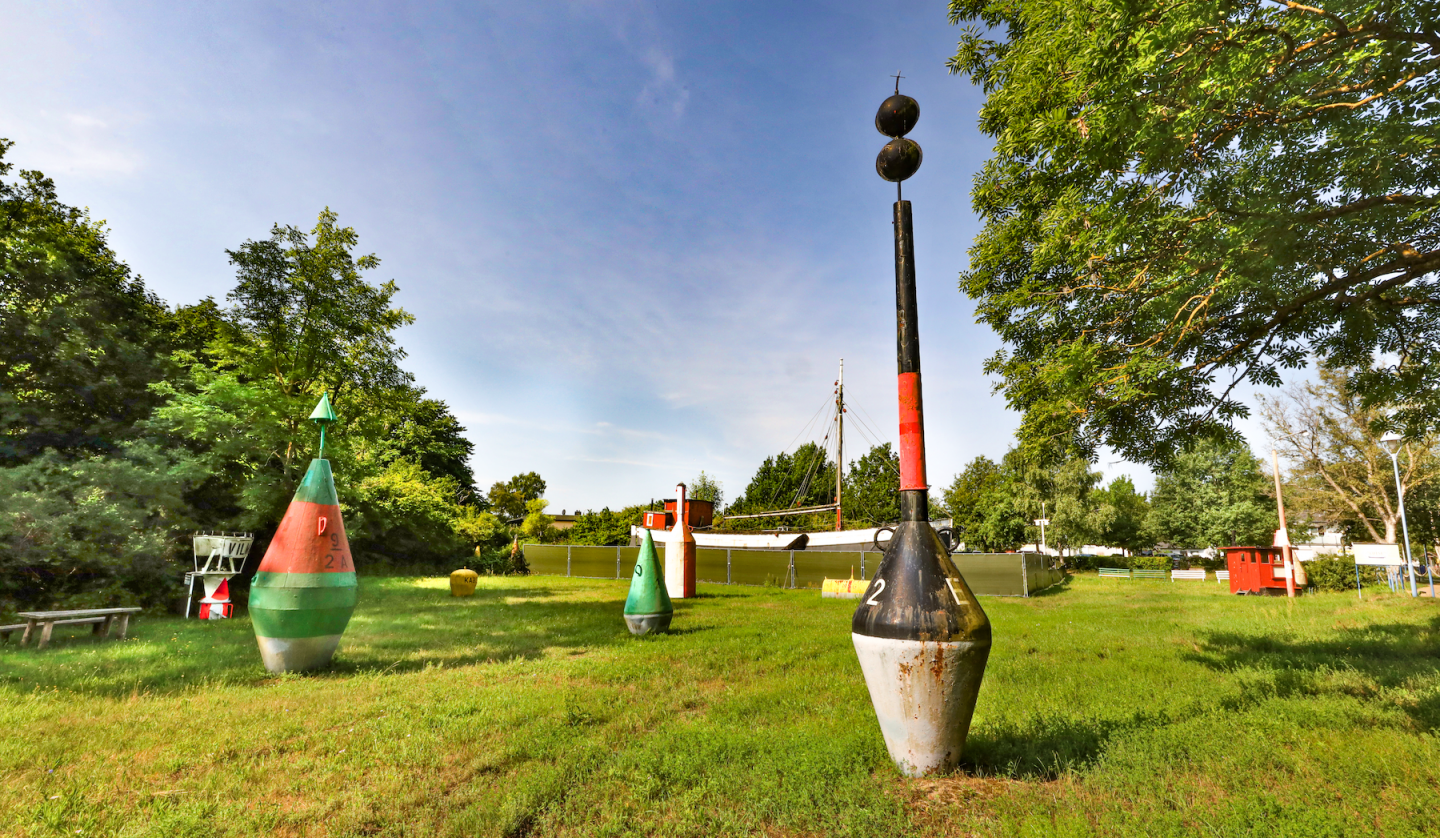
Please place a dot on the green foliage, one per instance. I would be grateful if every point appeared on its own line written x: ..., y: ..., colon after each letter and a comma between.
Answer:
x: 1137, y: 562
x: 605, y: 528
x: 1331, y: 572
x: 705, y: 487
x: 964, y: 498
x: 312, y: 323
x: 1127, y: 527
x: 1343, y: 474
x: 805, y: 478
x: 483, y: 530
x: 1212, y: 496
x: 1078, y: 516
x: 93, y: 531
x: 872, y: 488
x: 78, y: 333
x: 408, y: 513
x: 1185, y: 198
x: 538, y: 526
x: 510, y: 497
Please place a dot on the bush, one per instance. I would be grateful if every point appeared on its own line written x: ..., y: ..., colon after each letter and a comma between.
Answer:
x: 94, y: 531
x: 1149, y: 562
x: 1331, y: 572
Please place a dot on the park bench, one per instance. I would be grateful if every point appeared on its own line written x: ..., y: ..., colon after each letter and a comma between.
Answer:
x: 1114, y: 573
x: 1222, y: 576
x: 1140, y: 573
x: 1193, y: 575
x: 103, y: 619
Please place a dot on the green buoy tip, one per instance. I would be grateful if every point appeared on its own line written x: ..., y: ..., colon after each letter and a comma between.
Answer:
x: 323, y: 412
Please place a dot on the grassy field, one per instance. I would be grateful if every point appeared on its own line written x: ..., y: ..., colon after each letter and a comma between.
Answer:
x: 1114, y: 708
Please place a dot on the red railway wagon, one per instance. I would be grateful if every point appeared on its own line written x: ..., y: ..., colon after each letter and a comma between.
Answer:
x: 1255, y: 570
x: 701, y: 513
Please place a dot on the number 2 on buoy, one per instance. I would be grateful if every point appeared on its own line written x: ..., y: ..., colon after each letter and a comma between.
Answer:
x: 879, y: 586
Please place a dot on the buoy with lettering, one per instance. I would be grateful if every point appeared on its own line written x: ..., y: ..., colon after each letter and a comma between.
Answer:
x: 680, y: 552
x: 648, y: 608
x: 463, y: 582
x: 305, y: 589
x: 921, y: 636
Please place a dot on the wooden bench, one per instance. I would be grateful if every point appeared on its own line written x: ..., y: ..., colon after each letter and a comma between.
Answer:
x: 1139, y: 573
x: 1114, y: 573
x: 103, y: 619
x: 1193, y: 575
x: 1222, y: 576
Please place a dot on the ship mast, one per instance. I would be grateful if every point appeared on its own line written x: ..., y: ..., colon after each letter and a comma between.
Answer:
x: 839, y: 441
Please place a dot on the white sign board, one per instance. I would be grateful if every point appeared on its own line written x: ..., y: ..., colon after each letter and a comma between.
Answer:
x: 1377, y: 554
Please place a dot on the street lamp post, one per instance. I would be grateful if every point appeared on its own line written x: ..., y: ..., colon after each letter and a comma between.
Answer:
x: 1392, y: 445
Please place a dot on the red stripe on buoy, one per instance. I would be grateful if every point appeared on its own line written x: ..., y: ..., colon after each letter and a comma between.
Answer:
x: 299, y: 546
x: 912, y: 434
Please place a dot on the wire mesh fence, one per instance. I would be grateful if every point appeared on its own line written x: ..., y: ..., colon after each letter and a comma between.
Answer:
x: 987, y: 574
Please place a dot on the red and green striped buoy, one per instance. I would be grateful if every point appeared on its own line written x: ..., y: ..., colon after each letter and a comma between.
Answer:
x: 648, y: 607
x: 305, y: 590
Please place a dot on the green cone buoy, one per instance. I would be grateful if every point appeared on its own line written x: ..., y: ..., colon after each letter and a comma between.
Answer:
x: 648, y: 607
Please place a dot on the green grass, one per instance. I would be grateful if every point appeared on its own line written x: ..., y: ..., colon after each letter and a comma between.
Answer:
x: 1109, y: 708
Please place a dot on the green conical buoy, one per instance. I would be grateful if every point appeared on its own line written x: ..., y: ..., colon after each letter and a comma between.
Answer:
x: 648, y: 607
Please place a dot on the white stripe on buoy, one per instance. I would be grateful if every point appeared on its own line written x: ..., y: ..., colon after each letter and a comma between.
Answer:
x: 915, y: 686
x: 294, y: 654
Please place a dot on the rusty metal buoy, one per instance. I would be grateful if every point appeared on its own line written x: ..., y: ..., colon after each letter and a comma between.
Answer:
x: 921, y: 636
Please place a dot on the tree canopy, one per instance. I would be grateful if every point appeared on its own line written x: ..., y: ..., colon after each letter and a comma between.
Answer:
x: 1211, y: 496
x: 79, y: 334
x: 1186, y: 197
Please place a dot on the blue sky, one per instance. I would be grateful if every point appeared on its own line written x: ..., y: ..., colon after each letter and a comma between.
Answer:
x: 637, y: 237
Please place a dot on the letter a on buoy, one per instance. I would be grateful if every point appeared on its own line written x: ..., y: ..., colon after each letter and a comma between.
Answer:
x: 305, y: 590
x: 648, y: 608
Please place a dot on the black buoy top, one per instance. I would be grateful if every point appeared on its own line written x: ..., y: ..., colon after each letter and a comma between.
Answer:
x: 918, y: 594
x: 897, y: 115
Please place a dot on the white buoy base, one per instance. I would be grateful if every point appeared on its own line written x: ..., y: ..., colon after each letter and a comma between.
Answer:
x: 643, y: 624
x: 924, y: 694
x: 297, y: 654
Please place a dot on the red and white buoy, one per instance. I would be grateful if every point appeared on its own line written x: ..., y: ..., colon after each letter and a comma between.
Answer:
x: 680, y: 552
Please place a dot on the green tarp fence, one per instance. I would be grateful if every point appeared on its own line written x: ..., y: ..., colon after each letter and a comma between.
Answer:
x: 988, y: 574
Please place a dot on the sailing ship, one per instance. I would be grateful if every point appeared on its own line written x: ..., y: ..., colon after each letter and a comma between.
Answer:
x: 838, y: 539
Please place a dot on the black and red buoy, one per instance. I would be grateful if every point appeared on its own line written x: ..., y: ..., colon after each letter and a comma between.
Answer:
x: 921, y: 636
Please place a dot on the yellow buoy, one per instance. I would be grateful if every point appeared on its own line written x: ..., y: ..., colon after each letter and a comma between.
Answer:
x: 850, y: 588
x: 462, y: 582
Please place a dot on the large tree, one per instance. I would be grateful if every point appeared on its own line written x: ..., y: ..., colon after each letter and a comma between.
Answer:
x: 1187, y: 196
x: 872, y: 488
x: 1126, y: 527
x: 79, y: 334
x: 1211, y: 496
x: 1342, y: 472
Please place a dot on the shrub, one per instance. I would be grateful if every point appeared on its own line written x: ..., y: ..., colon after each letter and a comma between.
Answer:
x: 1149, y: 562
x: 94, y: 531
x: 1331, y: 572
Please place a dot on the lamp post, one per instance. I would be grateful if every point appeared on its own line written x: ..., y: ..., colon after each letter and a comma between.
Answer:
x: 1392, y: 445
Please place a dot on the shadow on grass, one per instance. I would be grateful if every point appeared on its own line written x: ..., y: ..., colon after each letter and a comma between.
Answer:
x: 1044, y: 748
x: 1056, y: 589
x: 399, y: 626
x: 1359, y: 662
